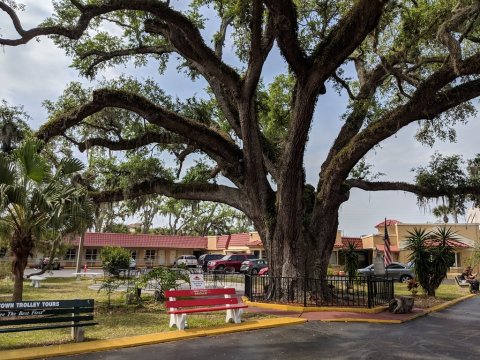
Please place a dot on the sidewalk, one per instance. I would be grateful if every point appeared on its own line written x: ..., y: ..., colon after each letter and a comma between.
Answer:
x: 379, y: 315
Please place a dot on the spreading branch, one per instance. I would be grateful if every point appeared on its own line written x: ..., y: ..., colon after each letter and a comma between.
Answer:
x: 420, y: 191
x: 192, y: 191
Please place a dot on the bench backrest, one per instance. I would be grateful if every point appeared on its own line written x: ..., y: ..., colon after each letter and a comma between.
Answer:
x: 200, y: 297
x: 45, y: 312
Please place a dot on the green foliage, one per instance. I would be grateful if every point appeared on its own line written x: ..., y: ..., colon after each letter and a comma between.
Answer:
x: 351, y: 259
x: 114, y: 259
x: 13, y: 127
x: 432, y: 256
x: 363, y: 171
x: 163, y: 278
x: 109, y: 285
x: 445, y: 174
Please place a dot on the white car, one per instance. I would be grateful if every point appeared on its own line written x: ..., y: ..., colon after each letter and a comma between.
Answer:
x: 187, y: 260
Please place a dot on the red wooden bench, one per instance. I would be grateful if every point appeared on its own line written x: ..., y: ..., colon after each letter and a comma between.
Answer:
x: 202, y: 300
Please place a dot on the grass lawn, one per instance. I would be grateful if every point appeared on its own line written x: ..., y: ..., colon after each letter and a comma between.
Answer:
x: 444, y: 293
x: 118, y: 321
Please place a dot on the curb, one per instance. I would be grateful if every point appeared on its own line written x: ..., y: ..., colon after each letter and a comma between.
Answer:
x: 413, y: 317
x: 270, y: 306
x: 148, y: 339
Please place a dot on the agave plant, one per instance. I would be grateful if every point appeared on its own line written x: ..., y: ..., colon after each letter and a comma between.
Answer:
x: 432, y: 255
x: 38, y: 203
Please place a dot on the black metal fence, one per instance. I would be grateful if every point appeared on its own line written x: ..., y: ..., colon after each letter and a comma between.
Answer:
x: 333, y: 291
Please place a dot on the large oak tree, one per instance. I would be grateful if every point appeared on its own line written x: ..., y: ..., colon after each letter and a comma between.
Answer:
x: 399, y: 62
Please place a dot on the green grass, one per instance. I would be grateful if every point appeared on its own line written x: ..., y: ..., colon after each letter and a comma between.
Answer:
x: 117, y: 321
x: 445, y: 292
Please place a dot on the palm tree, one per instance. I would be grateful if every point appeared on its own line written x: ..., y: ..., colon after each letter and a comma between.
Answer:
x: 38, y: 203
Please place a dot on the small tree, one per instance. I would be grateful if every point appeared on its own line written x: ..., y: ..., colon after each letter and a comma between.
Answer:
x: 351, y: 259
x: 432, y: 256
x: 114, y: 259
x: 165, y: 278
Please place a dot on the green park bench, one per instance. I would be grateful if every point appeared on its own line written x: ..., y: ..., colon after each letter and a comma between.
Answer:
x: 47, y: 314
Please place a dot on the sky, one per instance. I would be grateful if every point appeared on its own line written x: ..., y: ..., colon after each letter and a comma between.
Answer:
x: 37, y: 71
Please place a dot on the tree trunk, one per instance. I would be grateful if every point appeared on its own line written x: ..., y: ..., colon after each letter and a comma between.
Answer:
x: 19, y: 264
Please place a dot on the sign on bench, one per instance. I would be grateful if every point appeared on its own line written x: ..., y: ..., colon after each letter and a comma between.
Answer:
x: 202, y: 300
x: 50, y: 314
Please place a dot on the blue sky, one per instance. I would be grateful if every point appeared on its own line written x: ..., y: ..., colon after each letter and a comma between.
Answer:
x: 37, y: 71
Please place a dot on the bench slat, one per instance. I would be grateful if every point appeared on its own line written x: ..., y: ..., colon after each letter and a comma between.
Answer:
x: 4, y: 313
x: 200, y: 302
x: 208, y: 309
x: 199, y: 292
x: 46, y: 327
x: 46, y: 320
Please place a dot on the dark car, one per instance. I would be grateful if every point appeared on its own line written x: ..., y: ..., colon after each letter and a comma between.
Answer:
x: 205, y: 258
x: 253, y: 266
x: 229, y: 263
x: 395, y: 270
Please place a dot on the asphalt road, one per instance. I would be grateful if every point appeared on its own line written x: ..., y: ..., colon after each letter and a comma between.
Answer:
x: 450, y: 334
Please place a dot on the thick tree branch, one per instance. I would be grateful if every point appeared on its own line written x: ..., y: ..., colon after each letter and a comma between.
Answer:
x: 103, y: 56
x: 343, y: 39
x: 210, y: 141
x: 191, y: 191
x: 418, y: 190
x: 284, y: 16
x: 129, y: 144
x: 259, y: 49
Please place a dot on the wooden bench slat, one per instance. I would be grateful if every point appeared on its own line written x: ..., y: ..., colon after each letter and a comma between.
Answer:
x: 199, y: 292
x: 4, y: 313
x: 46, y: 320
x: 200, y: 302
x: 207, y: 309
x: 47, y: 327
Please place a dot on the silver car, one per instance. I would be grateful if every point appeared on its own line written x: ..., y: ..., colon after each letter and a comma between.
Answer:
x: 395, y: 270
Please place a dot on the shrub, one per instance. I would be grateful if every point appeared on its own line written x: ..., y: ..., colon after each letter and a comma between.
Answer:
x: 164, y: 278
x: 114, y: 259
x: 432, y: 256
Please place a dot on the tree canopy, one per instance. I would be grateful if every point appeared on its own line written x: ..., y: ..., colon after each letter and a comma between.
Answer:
x: 399, y: 62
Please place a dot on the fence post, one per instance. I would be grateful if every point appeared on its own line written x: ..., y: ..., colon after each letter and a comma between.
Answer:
x: 369, y: 292
x: 248, y: 286
x: 305, y: 291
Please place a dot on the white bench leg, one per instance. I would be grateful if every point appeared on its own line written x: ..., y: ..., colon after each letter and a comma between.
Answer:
x: 178, y: 320
x: 233, y: 315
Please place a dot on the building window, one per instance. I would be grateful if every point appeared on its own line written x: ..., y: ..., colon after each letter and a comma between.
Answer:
x: 71, y: 254
x: 149, y: 254
x: 91, y: 254
x: 3, y: 252
x: 458, y: 260
x: 133, y: 254
x: 334, y: 258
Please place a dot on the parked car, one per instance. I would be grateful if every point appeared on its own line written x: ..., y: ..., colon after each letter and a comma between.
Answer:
x: 187, y: 260
x: 253, y: 266
x: 54, y: 266
x: 263, y: 272
x: 229, y: 263
x: 395, y: 270
x: 205, y: 258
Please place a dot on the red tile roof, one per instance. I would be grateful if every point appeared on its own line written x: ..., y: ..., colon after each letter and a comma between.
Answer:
x: 452, y: 243
x: 143, y: 241
x: 393, y: 248
x: 390, y: 222
x: 346, y: 240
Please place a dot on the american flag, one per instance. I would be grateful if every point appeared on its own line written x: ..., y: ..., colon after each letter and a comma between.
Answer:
x: 387, y: 256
